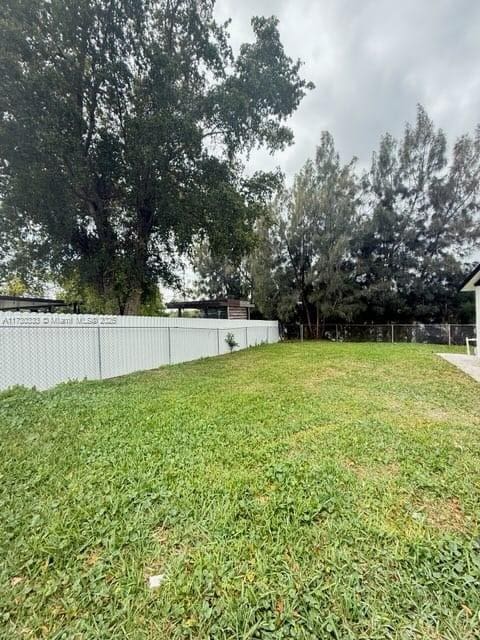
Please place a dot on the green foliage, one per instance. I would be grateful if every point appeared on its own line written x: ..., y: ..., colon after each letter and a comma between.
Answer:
x: 153, y: 305
x: 121, y: 130
x: 306, y: 252
x: 422, y: 223
x: 388, y: 247
x: 73, y: 290
x: 221, y: 276
x: 14, y: 287
x: 90, y: 300
x: 307, y: 491
x: 272, y: 295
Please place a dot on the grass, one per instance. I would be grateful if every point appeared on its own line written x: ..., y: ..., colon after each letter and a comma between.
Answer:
x: 308, y: 490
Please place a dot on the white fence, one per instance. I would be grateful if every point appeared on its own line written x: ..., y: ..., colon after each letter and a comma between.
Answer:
x: 42, y: 349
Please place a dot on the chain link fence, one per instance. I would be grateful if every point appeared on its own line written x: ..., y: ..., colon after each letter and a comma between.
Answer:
x: 451, y: 334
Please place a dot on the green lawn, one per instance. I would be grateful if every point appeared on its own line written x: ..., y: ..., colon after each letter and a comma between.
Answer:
x: 310, y: 490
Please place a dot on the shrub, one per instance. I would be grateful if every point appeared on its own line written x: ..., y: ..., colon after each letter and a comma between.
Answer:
x: 230, y: 340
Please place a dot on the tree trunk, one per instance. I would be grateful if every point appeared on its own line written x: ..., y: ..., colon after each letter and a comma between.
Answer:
x: 307, y: 313
x: 132, y: 300
x: 133, y: 303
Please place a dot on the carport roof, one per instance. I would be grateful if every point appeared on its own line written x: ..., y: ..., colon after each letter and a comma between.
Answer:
x: 15, y: 303
x: 203, y: 304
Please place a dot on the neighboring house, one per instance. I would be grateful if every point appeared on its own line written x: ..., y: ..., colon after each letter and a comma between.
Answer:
x: 21, y: 303
x: 230, y: 309
x: 472, y: 283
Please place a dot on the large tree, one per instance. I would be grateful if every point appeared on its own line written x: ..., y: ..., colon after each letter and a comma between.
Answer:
x: 307, y: 250
x: 123, y: 124
x: 390, y: 246
x: 221, y: 276
x: 422, y: 223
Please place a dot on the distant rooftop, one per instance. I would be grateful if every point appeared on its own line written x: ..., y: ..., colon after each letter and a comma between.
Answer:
x: 230, y: 308
x: 22, y: 303
x: 202, y: 304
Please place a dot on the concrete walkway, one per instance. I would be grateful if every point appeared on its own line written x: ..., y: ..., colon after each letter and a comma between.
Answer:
x: 468, y: 364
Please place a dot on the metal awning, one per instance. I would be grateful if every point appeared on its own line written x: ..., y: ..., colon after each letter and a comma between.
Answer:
x: 21, y: 303
x: 208, y: 304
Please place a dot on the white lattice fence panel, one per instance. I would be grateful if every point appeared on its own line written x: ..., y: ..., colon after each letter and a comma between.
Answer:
x: 127, y: 349
x: 44, y: 356
x: 42, y: 350
x: 192, y: 344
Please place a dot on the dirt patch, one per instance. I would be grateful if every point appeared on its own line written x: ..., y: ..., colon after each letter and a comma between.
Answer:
x: 16, y: 580
x: 264, y: 496
x: 306, y: 435
x: 93, y: 556
x: 446, y: 515
x: 171, y: 547
x: 291, y: 562
x: 430, y: 633
x: 373, y: 472
x: 437, y: 414
x: 161, y: 534
x: 313, y: 383
x: 153, y: 569
x: 459, y: 415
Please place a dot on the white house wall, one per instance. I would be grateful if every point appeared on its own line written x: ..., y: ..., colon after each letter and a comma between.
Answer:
x: 477, y: 312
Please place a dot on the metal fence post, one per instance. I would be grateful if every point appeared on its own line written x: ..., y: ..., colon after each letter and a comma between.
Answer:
x: 99, y: 344
x: 169, y: 347
x: 301, y: 333
x: 449, y: 335
x: 393, y: 333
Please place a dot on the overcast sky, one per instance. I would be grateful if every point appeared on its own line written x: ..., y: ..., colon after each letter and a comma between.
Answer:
x: 372, y: 61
